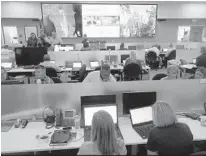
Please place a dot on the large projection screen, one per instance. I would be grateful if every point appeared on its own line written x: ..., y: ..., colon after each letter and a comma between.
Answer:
x: 99, y: 20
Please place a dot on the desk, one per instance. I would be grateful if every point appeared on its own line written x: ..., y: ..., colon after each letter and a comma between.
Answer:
x: 24, y: 140
x: 132, y: 138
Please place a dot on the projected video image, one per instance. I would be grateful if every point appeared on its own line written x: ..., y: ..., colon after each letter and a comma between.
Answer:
x: 137, y: 20
x: 65, y: 19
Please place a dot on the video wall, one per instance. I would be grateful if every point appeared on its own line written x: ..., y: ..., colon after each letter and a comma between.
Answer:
x: 76, y: 20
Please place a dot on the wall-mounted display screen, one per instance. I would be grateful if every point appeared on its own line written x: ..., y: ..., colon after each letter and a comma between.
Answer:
x: 99, y: 20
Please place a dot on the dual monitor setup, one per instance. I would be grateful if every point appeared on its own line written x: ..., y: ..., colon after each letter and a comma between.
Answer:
x: 137, y: 104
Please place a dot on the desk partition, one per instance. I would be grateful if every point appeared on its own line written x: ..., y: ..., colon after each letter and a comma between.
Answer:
x: 26, y: 100
x: 87, y: 56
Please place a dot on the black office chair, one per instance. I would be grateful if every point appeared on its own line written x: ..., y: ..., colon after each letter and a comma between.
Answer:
x: 159, y: 76
x: 51, y: 72
x: 171, y: 56
x: 81, y: 74
x: 132, y: 72
x: 56, y: 80
x: 97, y: 68
x: 151, y: 60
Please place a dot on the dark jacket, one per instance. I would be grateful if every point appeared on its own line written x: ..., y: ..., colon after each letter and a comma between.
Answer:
x: 201, y: 60
x: 32, y: 42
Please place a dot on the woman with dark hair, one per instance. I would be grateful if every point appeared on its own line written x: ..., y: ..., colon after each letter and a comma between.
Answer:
x: 32, y: 40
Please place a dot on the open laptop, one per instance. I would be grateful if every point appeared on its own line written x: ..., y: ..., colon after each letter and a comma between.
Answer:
x: 52, y: 61
x: 142, y: 120
x: 88, y: 112
x: 94, y: 64
x: 6, y: 65
x: 77, y: 65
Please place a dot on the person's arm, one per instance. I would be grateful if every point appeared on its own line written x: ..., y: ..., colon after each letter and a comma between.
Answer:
x: 151, y: 145
x: 57, y: 68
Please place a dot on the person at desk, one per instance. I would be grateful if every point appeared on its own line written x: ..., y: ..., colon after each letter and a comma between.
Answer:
x: 168, y: 137
x: 47, y: 63
x: 201, y: 60
x: 41, y: 77
x: 172, y: 72
x: 104, y: 141
x: 200, y: 73
x: 103, y: 75
x: 32, y: 40
x: 122, y: 47
x: 156, y: 48
x: 55, y: 40
x: 133, y: 59
x: 43, y: 41
x: 169, y: 50
x: 86, y: 46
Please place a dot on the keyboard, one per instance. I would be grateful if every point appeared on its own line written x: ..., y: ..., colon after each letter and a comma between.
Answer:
x: 87, y: 133
x: 192, y: 115
x: 144, y: 130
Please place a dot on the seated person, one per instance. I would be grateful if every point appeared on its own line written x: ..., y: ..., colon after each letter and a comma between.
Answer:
x: 122, y: 47
x: 47, y: 63
x: 32, y: 40
x: 9, y: 53
x: 133, y: 59
x: 169, y: 50
x: 156, y: 48
x: 86, y: 46
x: 43, y: 41
x: 168, y: 137
x: 172, y: 72
x: 201, y: 60
x: 103, y: 75
x: 200, y: 73
x: 104, y: 141
x: 41, y: 77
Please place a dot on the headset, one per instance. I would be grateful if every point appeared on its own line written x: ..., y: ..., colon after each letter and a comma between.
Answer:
x: 49, y: 119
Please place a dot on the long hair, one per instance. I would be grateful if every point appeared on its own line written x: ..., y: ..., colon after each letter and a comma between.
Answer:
x: 103, y: 132
x: 163, y: 115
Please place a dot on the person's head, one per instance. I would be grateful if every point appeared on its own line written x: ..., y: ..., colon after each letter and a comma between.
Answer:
x: 3, y: 74
x: 163, y: 114
x: 105, y: 71
x: 33, y: 35
x: 86, y: 44
x: 172, y: 71
x: 46, y: 57
x: 200, y: 73
x: 103, y: 132
x: 203, y: 50
x: 40, y: 72
x: 54, y: 35
x: 122, y: 46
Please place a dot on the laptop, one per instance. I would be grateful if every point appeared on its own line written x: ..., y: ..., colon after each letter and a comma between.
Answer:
x: 88, y: 112
x: 52, y: 61
x: 6, y: 65
x: 77, y: 65
x: 94, y: 64
x: 142, y: 121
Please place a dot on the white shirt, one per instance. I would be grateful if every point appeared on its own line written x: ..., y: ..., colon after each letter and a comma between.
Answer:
x: 155, y: 50
x: 51, y: 65
x: 95, y: 77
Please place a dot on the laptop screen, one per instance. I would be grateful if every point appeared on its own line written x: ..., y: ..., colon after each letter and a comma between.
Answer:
x: 141, y: 115
x: 194, y: 60
x: 6, y: 64
x: 94, y: 64
x: 77, y: 65
x: 52, y: 61
x: 89, y: 112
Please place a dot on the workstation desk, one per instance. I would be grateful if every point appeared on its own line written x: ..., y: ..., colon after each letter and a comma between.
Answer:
x: 27, y: 100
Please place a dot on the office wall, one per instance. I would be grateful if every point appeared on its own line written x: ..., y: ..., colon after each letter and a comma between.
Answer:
x: 26, y: 100
x: 20, y: 24
x: 176, y: 13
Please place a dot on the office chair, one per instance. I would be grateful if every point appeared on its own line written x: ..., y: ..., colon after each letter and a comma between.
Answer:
x: 171, y: 56
x: 132, y: 72
x: 151, y: 60
x: 56, y: 80
x: 51, y: 72
x: 81, y: 74
x: 97, y: 68
x: 159, y: 76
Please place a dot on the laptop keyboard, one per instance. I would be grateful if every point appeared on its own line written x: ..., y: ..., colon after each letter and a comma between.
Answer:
x: 143, y: 130
x: 87, y: 134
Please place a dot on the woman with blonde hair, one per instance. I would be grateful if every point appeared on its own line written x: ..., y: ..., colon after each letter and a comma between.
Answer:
x: 104, y: 140
x: 168, y: 137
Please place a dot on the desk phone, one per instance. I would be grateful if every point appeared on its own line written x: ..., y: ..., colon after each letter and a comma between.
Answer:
x: 69, y: 117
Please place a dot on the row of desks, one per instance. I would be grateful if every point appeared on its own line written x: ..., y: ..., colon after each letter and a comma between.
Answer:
x: 24, y: 140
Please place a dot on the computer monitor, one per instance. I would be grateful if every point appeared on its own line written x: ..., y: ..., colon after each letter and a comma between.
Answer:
x: 141, y: 115
x: 124, y: 57
x: 29, y: 55
x: 132, y: 47
x: 6, y: 65
x: 194, y: 60
x: 110, y: 47
x: 113, y: 59
x: 137, y: 100
x: 94, y: 64
x: 89, y: 111
x: 52, y: 61
x: 77, y: 64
